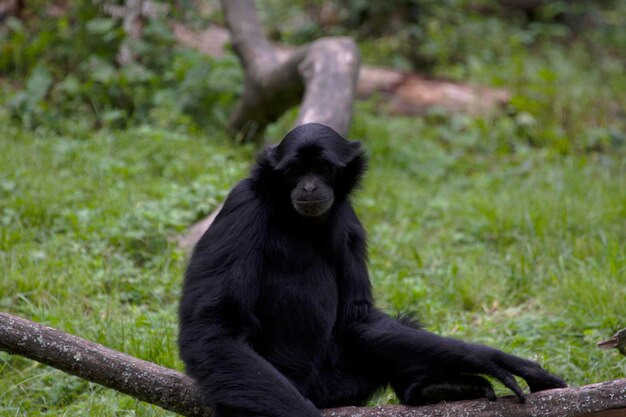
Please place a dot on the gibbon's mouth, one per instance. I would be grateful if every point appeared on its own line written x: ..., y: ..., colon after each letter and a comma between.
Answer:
x: 312, y: 201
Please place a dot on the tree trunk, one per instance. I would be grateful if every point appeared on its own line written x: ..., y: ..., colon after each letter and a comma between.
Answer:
x: 324, y: 71
x: 176, y: 392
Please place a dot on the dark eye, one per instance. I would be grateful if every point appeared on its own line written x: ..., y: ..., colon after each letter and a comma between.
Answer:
x: 294, y: 171
x: 327, y: 168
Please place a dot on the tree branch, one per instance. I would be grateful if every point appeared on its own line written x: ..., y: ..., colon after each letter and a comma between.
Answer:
x: 176, y: 392
x: 140, y: 379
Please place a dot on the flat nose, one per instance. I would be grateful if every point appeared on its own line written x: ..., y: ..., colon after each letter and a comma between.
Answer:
x: 309, y: 187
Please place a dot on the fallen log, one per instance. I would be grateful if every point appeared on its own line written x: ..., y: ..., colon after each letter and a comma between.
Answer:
x: 322, y: 72
x: 399, y: 92
x: 176, y: 392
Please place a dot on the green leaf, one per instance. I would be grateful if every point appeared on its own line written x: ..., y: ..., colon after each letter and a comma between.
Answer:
x: 113, y: 115
x: 102, y: 71
x: 100, y: 26
x: 38, y: 83
x: 70, y: 85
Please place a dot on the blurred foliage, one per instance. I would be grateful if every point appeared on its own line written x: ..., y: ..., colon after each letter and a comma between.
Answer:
x: 63, y: 67
x: 424, y: 34
x: 563, y: 64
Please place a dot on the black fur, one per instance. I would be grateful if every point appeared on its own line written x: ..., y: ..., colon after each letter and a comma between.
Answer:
x: 277, y: 317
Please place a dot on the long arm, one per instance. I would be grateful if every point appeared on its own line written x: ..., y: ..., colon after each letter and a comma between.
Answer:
x: 402, y: 350
x: 405, y: 353
x: 217, y: 319
x: 229, y: 373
